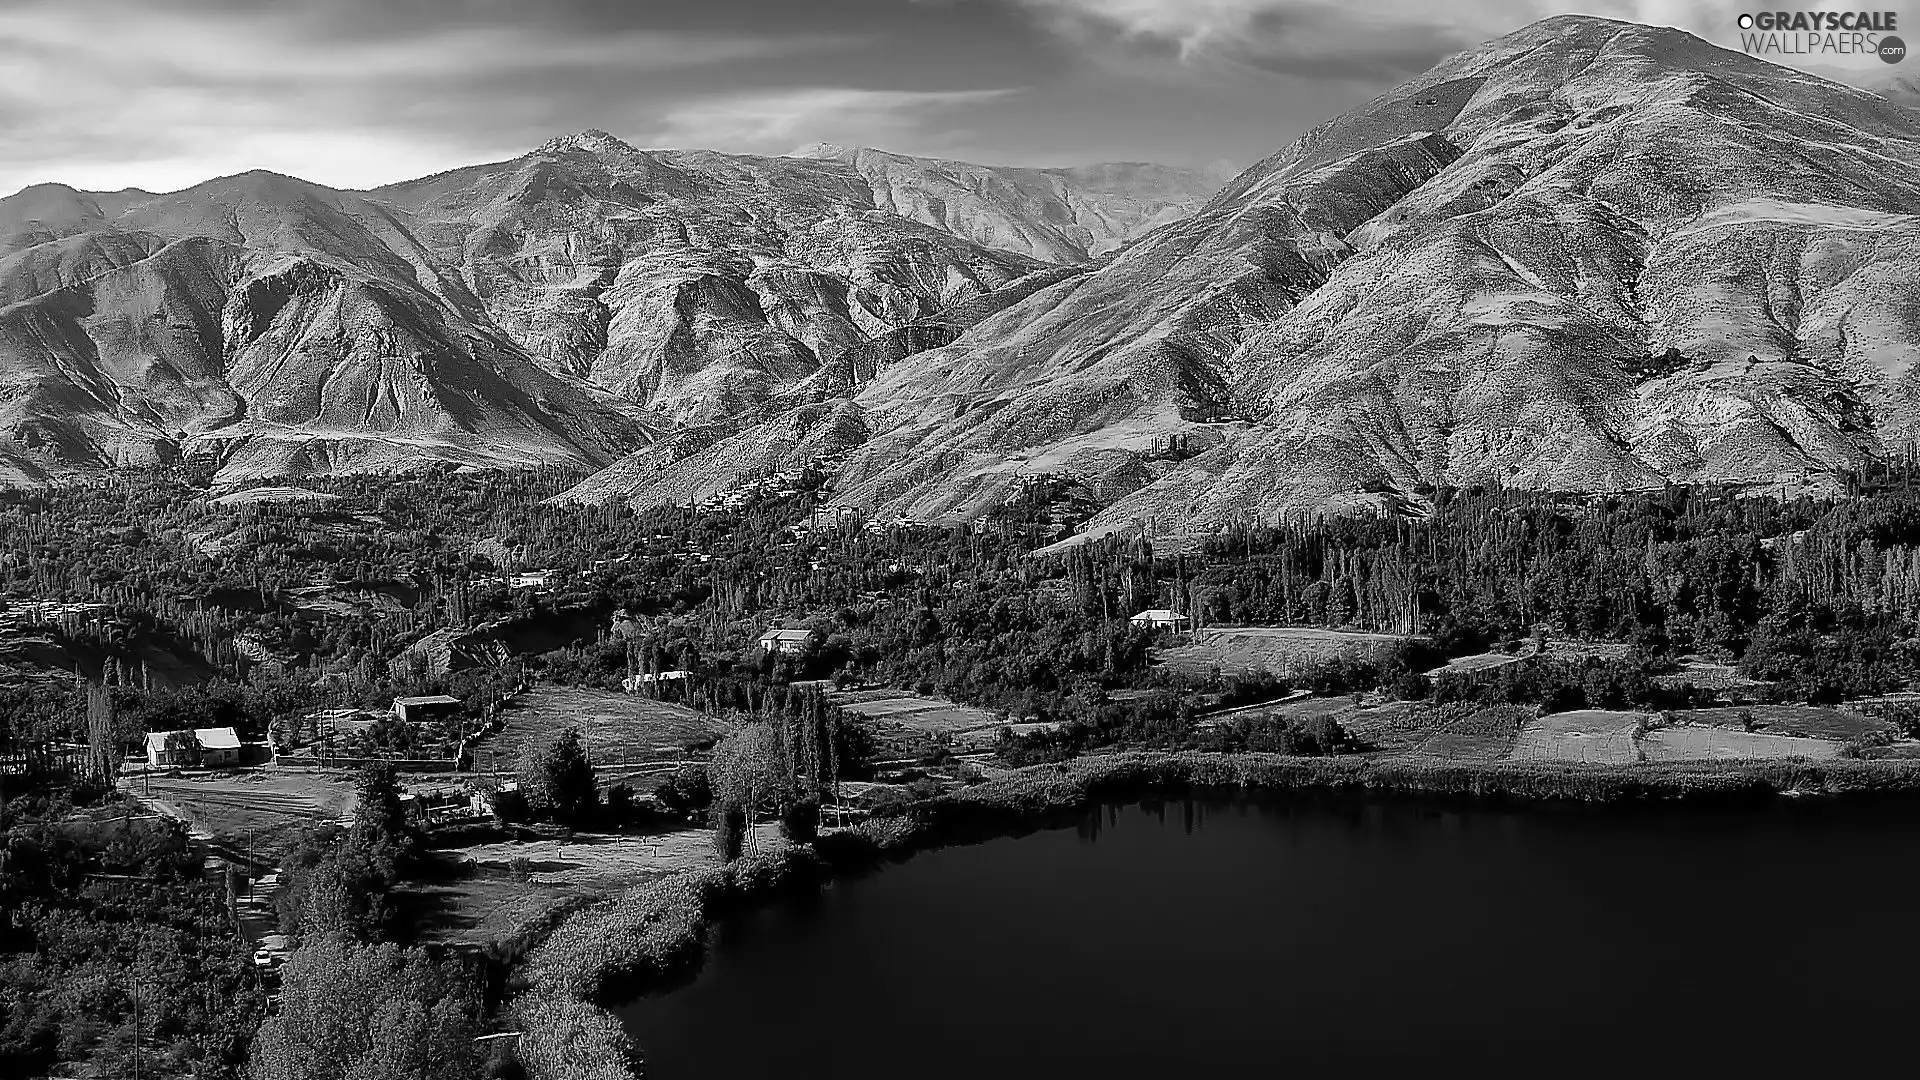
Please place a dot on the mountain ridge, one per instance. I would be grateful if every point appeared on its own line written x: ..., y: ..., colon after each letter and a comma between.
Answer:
x: 1588, y: 255
x: 563, y: 306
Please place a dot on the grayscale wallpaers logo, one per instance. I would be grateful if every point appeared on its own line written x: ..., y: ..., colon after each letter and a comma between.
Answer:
x: 1822, y: 33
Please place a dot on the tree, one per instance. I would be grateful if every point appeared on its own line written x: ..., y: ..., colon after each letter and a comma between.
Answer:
x: 748, y: 767
x: 182, y: 748
x: 331, y: 884
x: 356, y: 1011
x: 687, y: 791
x: 559, y: 780
x: 729, y: 830
x: 380, y: 824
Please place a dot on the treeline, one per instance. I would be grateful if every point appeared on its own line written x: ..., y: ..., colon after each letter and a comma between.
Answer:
x: 117, y: 955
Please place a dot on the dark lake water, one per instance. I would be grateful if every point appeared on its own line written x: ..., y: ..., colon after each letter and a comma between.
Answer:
x: 1347, y: 940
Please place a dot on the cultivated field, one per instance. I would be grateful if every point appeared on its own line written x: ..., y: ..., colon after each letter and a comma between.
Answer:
x: 1269, y: 648
x: 1807, y: 721
x: 1722, y: 744
x: 929, y: 716
x: 1588, y: 735
x: 274, y: 803
x: 1393, y: 725
x: 618, y: 729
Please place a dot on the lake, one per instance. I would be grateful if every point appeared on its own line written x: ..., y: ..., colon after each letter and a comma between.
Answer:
x: 1339, y: 938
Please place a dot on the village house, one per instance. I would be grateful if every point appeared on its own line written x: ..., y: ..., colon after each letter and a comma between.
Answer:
x: 785, y: 640
x: 416, y: 710
x: 210, y: 747
x: 536, y: 580
x: 633, y: 683
x: 1160, y: 619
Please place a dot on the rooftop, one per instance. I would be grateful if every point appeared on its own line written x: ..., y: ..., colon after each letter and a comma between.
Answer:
x: 213, y: 738
x: 427, y: 699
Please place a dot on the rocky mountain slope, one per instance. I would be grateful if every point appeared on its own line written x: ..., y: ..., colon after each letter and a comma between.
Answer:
x: 1055, y: 215
x: 269, y: 327
x: 566, y: 306
x: 1589, y: 255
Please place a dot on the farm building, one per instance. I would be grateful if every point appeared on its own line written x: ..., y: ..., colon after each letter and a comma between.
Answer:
x: 1160, y: 619
x: 537, y: 580
x: 414, y: 710
x: 199, y: 746
x: 633, y: 683
x: 785, y: 639
x: 1480, y: 666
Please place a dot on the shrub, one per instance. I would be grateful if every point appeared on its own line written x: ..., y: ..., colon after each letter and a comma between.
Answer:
x: 729, y: 830
x: 509, y: 806
x: 800, y: 819
x: 687, y: 791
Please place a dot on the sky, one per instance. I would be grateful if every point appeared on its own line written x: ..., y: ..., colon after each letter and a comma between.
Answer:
x: 162, y: 94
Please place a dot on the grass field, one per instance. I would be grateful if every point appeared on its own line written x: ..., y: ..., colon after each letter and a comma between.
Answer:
x: 929, y: 716
x: 1723, y: 744
x: 275, y: 803
x: 619, y: 729
x: 1467, y: 749
x: 1808, y: 721
x: 488, y: 899
x: 1587, y: 735
x: 1269, y: 648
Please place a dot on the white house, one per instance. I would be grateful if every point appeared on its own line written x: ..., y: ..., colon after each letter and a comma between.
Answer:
x: 537, y: 580
x: 785, y: 639
x: 214, y: 747
x: 1160, y: 619
x: 414, y: 710
x: 633, y: 683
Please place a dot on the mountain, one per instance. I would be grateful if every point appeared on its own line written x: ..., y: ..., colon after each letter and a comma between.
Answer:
x: 1055, y: 215
x: 563, y: 307
x: 1587, y: 256
x: 267, y: 327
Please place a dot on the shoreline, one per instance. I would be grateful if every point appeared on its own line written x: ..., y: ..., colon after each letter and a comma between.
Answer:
x: 639, y: 940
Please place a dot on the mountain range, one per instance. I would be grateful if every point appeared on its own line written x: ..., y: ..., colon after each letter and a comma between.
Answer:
x: 1586, y: 256
x: 565, y: 307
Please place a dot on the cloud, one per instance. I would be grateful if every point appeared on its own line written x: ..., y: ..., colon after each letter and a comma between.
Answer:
x: 165, y: 93
x: 773, y: 122
x: 1380, y: 40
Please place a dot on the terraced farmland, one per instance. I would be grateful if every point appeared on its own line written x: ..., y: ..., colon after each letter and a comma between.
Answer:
x: 1277, y: 649
x: 929, y: 716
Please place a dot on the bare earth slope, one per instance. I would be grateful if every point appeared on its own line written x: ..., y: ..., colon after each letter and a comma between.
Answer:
x: 269, y: 326
x: 1589, y: 255
x: 563, y: 307
x: 703, y: 285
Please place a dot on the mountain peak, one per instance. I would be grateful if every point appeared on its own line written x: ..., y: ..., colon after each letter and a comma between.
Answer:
x: 824, y: 151
x: 592, y: 141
